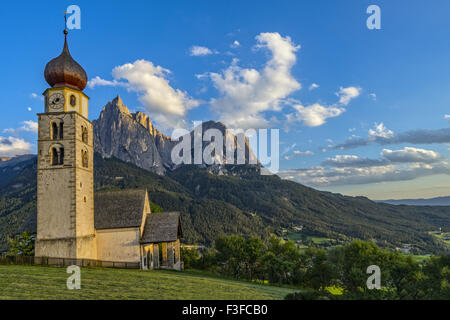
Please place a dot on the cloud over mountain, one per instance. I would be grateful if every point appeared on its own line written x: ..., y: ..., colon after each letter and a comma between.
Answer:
x: 394, y: 165
x: 10, y: 146
x: 383, y: 136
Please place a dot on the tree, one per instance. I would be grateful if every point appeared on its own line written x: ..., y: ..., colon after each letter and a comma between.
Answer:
x: 319, y: 272
x: 437, y: 278
x: 22, y: 244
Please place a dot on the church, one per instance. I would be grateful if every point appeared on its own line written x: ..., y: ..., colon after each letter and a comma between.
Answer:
x: 73, y: 221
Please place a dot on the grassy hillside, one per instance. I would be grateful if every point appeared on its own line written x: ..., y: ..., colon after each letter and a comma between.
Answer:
x: 246, y: 204
x: 39, y: 282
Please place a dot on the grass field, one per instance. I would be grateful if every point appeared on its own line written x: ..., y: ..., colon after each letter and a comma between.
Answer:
x: 42, y: 282
x: 294, y: 236
x: 441, y: 236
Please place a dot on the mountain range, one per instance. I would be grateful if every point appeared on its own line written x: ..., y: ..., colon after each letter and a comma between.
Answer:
x: 438, y: 201
x: 218, y: 199
x: 131, y: 137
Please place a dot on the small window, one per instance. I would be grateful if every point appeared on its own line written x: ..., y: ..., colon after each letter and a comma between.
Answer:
x: 57, y: 155
x: 73, y: 101
x: 61, y: 156
x: 84, y: 159
x: 54, y: 156
x: 84, y: 134
x: 61, y: 130
x: 54, y: 133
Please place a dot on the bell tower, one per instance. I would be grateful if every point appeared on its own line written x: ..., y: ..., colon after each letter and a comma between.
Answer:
x: 65, y: 182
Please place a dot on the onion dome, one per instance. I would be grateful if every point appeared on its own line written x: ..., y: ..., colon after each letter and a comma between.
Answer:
x: 65, y: 71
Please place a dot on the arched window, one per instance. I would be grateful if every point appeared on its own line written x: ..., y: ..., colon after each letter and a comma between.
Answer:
x: 57, y: 129
x: 54, y: 131
x: 84, y: 159
x: 73, y: 101
x: 61, y: 130
x: 61, y: 156
x: 54, y: 157
x: 57, y: 155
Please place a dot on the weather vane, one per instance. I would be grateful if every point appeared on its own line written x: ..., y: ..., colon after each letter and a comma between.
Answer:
x: 65, y: 22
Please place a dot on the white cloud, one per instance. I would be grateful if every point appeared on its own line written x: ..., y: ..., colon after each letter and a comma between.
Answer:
x: 28, y: 126
x: 297, y: 153
x: 10, y: 146
x: 313, y: 86
x: 235, y: 44
x: 383, y: 136
x: 380, y: 131
x: 409, y: 154
x: 347, y: 94
x: 447, y: 116
x: 247, y: 93
x: 345, y: 161
x: 373, y: 96
x: 316, y: 114
x: 36, y: 96
x: 303, y: 153
x: 394, y: 165
x: 99, y: 82
x: 322, y: 177
x: 200, y: 51
x: 167, y: 106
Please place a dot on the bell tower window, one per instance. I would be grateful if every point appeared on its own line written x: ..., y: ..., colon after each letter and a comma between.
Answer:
x: 61, y: 130
x: 57, y: 130
x: 61, y: 156
x: 57, y: 155
x: 54, y: 132
x: 54, y: 156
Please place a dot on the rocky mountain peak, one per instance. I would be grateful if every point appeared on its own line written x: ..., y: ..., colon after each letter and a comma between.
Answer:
x: 118, y: 103
x: 133, y: 138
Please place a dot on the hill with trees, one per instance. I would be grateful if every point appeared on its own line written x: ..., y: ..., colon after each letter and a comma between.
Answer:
x: 242, y: 202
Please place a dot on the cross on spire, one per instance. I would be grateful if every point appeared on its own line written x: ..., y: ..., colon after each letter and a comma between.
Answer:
x: 65, y: 23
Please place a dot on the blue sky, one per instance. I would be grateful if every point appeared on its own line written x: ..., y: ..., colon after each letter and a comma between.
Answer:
x: 315, y: 70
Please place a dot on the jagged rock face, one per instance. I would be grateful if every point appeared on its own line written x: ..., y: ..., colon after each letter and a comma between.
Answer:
x: 118, y: 133
x: 164, y: 144
x: 132, y: 137
x: 239, y: 145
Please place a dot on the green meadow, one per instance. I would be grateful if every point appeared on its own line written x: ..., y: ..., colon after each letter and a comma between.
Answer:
x: 43, y: 282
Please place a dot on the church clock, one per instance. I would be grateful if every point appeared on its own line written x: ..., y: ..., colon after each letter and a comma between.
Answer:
x: 56, y: 101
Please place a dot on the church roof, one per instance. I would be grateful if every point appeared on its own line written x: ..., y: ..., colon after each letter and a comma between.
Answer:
x: 162, y: 227
x: 119, y: 209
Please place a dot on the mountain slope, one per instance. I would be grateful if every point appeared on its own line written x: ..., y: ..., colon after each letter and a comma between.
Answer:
x: 129, y: 137
x: 439, y: 201
x: 245, y: 203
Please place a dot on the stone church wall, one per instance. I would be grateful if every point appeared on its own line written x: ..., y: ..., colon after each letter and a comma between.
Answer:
x: 121, y: 245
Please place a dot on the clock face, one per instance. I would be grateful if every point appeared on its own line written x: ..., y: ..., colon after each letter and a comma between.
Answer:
x: 56, y: 101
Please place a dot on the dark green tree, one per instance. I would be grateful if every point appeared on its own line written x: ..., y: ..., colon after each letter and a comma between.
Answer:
x: 21, y: 245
